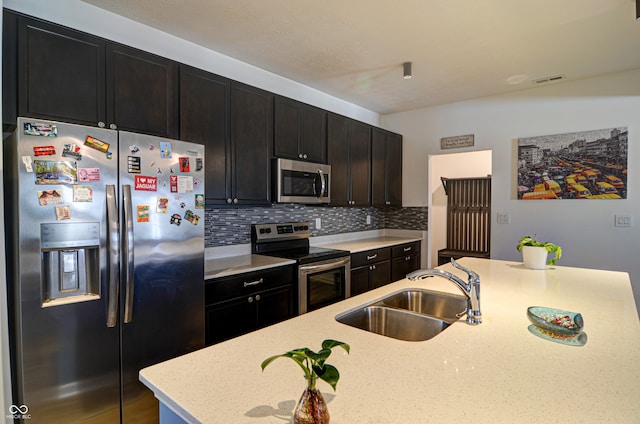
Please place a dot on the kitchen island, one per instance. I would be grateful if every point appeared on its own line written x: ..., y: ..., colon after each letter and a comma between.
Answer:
x: 494, y: 372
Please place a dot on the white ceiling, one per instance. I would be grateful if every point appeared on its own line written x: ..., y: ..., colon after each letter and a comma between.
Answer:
x: 354, y: 49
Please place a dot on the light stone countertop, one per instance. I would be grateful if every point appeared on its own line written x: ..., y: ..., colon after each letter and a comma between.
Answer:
x: 496, y: 372
x: 223, y: 267
x: 355, y: 246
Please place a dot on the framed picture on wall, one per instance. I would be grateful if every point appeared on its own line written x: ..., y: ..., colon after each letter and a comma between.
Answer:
x: 581, y: 165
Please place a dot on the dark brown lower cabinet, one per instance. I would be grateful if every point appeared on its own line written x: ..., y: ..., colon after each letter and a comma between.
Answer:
x: 243, y: 303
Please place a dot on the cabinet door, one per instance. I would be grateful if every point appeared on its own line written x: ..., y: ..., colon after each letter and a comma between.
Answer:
x: 141, y: 92
x: 61, y: 73
x: 359, y: 280
x: 274, y: 305
x: 228, y: 319
x: 204, y: 119
x: 379, y: 274
x: 338, y: 156
x: 286, y: 128
x: 313, y: 132
x: 402, y: 266
x: 360, y: 163
x: 378, y: 168
x: 394, y: 170
x: 251, y: 141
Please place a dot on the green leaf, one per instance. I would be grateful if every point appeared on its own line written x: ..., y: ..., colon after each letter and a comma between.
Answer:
x: 328, y: 373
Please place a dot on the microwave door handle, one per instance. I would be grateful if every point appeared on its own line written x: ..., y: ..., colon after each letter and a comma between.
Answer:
x: 114, y: 243
x: 323, y: 184
x: 127, y: 254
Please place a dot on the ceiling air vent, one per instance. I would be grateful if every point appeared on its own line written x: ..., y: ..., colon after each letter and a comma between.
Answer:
x: 547, y: 80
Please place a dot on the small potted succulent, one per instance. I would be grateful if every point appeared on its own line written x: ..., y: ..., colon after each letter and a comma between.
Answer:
x: 311, y: 408
x: 535, y: 253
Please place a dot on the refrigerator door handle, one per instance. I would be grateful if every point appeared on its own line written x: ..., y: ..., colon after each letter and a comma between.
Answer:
x: 114, y: 243
x: 127, y: 254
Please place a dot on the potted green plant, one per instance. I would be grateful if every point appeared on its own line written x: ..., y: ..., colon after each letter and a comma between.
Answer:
x: 311, y: 408
x: 535, y: 253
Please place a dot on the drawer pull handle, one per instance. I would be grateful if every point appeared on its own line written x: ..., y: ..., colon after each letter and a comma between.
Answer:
x: 253, y: 283
x: 407, y: 249
x: 372, y: 257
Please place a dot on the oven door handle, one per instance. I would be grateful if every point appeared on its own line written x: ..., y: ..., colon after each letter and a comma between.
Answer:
x: 325, y: 266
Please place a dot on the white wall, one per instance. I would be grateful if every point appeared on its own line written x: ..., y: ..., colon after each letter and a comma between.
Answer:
x: 583, y: 228
x: 449, y: 165
x: 93, y: 20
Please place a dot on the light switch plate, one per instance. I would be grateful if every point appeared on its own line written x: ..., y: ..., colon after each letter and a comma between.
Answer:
x: 504, y: 218
x: 623, y: 220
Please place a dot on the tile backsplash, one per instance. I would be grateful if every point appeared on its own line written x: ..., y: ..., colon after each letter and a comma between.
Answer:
x: 225, y: 227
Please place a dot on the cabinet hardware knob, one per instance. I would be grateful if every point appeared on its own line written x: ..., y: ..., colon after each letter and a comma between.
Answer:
x: 304, y: 156
x: 250, y: 300
x: 253, y: 283
x: 373, y: 267
x: 235, y: 200
x: 101, y: 124
x: 257, y: 297
x: 229, y: 200
x: 372, y: 257
x: 113, y: 126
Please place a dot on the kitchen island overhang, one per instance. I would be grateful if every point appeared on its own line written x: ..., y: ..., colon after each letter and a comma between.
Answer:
x: 494, y: 372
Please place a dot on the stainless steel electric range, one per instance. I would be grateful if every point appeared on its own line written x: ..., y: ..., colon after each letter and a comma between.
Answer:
x: 324, y: 275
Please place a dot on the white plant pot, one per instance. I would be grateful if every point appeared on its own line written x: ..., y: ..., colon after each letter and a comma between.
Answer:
x: 534, y: 257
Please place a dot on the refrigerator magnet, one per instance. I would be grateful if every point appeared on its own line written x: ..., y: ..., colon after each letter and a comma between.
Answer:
x: 173, y: 181
x: 185, y: 184
x: 40, y: 129
x: 199, y: 201
x: 175, y: 219
x: 199, y: 164
x: 162, y: 205
x: 134, y: 165
x: 50, y: 197
x: 94, y: 143
x: 144, y: 183
x: 184, y: 164
x: 88, y: 175
x: 82, y: 193
x: 44, y: 150
x: 143, y: 213
x: 191, y: 217
x: 55, y: 172
x: 72, y: 150
x: 28, y: 164
x: 134, y: 149
x: 165, y: 150
x: 63, y: 212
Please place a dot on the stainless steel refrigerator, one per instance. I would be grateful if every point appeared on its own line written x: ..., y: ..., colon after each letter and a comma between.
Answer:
x: 105, y: 258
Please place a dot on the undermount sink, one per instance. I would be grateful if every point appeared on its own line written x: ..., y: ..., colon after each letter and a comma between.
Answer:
x: 409, y: 314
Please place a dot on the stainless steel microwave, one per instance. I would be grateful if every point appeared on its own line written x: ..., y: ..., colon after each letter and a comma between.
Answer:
x: 302, y: 182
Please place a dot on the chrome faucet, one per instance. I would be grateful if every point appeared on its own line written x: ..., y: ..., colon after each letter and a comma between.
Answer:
x: 471, y: 289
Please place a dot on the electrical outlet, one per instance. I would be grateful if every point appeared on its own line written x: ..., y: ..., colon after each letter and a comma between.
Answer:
x: 623, y: 220
x: 504, y: 218
x: 318, y: 223
x: 368, y: 219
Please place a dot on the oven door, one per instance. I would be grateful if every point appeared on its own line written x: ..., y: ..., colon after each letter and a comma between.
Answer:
x: 323, y: 283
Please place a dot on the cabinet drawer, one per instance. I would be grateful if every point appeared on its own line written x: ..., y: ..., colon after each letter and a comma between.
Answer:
x: 370, y: 256
x: 243, y: 284
x: 405, y: 249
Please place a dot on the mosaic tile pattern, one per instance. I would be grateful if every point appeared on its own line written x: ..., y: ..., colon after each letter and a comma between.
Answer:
x: 225, y: 227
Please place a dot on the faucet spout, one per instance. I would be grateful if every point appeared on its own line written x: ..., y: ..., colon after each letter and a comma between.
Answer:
x: 470, y: 289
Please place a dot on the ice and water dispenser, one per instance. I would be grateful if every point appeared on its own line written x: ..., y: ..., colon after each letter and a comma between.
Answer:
x: 70, y: 262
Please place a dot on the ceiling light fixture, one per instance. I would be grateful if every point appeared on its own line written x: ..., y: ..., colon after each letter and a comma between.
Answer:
x: 407, y: 69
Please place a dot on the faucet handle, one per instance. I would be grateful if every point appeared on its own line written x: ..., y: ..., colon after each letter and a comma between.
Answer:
x: 472, y: 275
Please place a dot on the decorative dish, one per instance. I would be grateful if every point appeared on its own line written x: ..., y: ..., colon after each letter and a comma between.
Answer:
x: 556, y: 321
x: 579, y: 339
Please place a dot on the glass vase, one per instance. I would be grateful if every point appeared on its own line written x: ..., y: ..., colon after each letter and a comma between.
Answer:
x: 311, y: 408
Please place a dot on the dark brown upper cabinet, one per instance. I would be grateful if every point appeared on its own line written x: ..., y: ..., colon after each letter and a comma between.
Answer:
x: 386, y: 168
x: 67, y: 75
x: 349, y: 154
x: 204, y: 119
x: 251, y: 145
x: 300, y: 131
x: 141, y: 92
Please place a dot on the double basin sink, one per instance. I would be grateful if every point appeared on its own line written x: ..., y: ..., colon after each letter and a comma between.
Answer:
x: 409, y: 314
